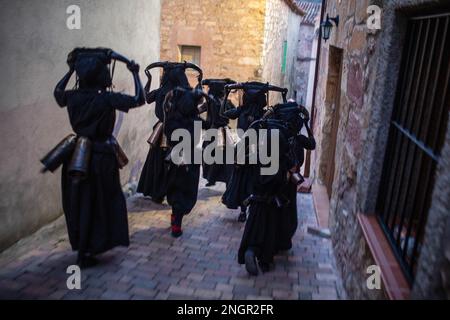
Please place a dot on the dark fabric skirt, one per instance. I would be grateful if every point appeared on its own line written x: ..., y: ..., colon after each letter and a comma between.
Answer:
x: 260, y: 233
x: 239, y: 187
x: 288, y: 220
x: 270, y: 229
x: 217, y: 172
x: 153, y: 180
x: 182, y: 188
x: 95, y: 208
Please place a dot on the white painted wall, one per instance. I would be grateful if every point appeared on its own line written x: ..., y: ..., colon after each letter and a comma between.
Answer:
x: 35, y: 43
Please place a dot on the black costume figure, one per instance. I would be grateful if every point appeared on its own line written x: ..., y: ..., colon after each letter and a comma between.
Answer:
x: 294, y: 117
x: 181, y: 110
x: 93, y: 204
x: 272, y: 218
x: 153, y: 179
x: 241, y: 183
x: 217, y: 172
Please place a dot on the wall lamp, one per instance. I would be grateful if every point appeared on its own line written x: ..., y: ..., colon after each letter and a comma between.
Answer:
x: 327, y: 26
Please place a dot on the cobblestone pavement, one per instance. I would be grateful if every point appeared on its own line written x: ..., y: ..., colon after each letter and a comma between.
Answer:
x: 202, y: 264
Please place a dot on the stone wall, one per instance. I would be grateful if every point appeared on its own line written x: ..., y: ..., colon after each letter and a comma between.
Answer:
x: 371, y: 61
x: 230, y: 34
x: 35, y: 44
x: 241, y: 40
x: 352, y: 36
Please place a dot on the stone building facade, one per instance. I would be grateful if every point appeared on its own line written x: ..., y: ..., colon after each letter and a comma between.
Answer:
x: 305, y: 63
x: 35, y: 44
x: 359, y: 83
x: 241, y: 40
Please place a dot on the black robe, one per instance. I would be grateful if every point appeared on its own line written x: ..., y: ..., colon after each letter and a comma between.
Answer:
x: 216, y: 172
x: 289, y: 219
x: 182, y: 182
x: 240, y: 184
x: 154, y: 176
x: 95, y: 208
x: 153, y: 179
x: 266, y: 213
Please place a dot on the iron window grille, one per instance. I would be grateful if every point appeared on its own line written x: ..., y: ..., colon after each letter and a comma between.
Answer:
x: 417, y: 134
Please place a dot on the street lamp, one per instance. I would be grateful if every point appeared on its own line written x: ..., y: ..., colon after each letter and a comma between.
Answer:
x: 327, y: 26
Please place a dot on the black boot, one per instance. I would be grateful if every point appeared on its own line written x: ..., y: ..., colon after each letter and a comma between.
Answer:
x: 85, y: 261
x: 250, y: 262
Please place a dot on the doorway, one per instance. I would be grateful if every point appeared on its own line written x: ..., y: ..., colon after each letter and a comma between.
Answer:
x: 332, y: 102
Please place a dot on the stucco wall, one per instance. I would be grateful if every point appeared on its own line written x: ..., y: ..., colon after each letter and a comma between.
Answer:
x: 305, y: 63
x: 230, y: 34
x: 281, y: 24
x: 35, y: 43
x: 293, y: 38
x: 275, y: 33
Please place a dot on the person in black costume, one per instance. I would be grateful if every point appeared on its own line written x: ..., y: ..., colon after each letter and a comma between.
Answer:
x: 94, y: 206
x: 272, y: 218
x: 153, y: 179
x: 294, y: 117
x: 255, y: 99
x: 217, y: 172
x: 181, y: 109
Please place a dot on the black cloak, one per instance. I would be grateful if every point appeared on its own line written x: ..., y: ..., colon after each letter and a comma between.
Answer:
x: 241, y: 182
x: 214, y: 120
x: 153, y: 179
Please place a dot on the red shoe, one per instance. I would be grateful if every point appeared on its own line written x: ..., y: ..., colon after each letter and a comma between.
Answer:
x: 176, y: 231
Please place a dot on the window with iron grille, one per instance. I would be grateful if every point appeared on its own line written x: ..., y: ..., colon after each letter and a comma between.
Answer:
x: 417, y: 133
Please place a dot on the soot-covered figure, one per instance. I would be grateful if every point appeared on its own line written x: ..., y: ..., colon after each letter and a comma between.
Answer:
x: 217, y: 172
x: 181, y: 110
x: 272, y: 218
x: 255, y: 99
x: 153, y: 179
x: 93, y: 202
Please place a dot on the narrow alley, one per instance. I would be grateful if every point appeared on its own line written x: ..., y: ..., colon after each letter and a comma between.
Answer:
x: 102, y: 109
x: 202, y: 264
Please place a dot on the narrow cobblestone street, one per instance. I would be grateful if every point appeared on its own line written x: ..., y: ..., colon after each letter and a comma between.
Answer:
x: 201, y: 264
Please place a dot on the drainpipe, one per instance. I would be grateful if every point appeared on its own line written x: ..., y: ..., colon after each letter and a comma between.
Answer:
x: 307, y: 172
